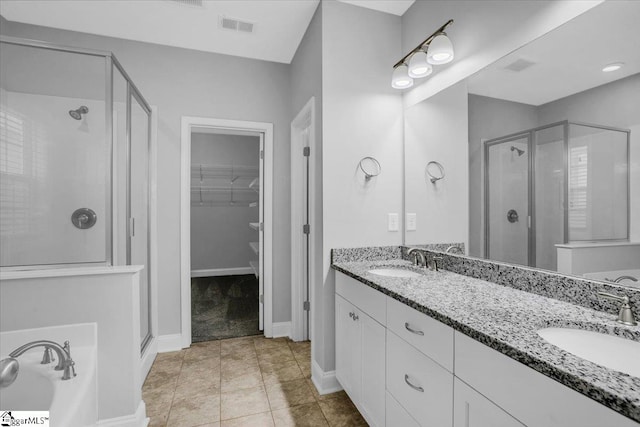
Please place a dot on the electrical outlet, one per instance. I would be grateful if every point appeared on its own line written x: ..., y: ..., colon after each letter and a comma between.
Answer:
x: 393, y: 222
x: 411, y: 222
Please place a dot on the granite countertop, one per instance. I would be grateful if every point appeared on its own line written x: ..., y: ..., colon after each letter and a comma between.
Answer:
x: 506, y: 320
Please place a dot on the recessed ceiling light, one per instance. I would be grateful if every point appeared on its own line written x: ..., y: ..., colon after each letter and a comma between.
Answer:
x: 613, y: 67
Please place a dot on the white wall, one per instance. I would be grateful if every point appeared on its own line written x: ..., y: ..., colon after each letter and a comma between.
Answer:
x: 437, y: 130
x: 306, y: 82
x: 220, y: 235
x: 482, y: 32
x: 110, y: 298
x: 51, y: 166
x: 362, y: 116
x: 182, y: 82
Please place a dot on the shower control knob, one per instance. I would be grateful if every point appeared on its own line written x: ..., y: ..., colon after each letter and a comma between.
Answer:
x: 84, y: 218
x: 512, y: 216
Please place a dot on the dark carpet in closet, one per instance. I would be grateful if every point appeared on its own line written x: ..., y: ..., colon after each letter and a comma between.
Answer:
x: 224, y: 307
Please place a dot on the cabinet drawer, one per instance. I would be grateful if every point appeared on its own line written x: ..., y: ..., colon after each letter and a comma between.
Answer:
x: 362, y: 296
x: 397, y: 415
x: 420, y: 385
x: 515, y: 387
x: 431, y: 337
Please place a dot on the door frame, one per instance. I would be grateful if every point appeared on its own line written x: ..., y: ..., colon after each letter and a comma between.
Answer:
x: 187, y: 123
x: 305, y: 119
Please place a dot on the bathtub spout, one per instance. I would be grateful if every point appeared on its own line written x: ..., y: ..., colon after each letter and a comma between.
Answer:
x: 65, y: 363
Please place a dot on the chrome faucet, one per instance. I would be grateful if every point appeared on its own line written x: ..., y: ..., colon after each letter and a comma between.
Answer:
x: 621, y: 278
x: 9, y: 367
x: 453, y: 249
x: 625, y: 316
x: 417, y: 254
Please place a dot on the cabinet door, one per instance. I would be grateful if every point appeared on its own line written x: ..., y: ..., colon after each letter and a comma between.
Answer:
x: 396, y: 414
x: 471, y: 409
x: 348, y: 348
x: 372, y: 362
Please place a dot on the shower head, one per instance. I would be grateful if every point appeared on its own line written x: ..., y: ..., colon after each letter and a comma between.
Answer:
x: 77, y: 113
x: 520, y: 152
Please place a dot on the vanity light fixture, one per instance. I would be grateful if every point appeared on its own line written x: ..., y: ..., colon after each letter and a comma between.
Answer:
x: 613, y: 67
x: 436, y: 49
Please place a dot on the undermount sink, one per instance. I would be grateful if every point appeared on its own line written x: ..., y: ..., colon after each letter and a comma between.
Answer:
x: 394, y: 272
x: 610, y: 351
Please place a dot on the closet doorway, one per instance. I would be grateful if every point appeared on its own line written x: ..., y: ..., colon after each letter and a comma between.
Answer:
x: 225, y: 229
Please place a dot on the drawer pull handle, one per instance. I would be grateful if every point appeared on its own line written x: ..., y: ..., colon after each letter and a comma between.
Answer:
x: 355, y: 316
x: 415, y: 387
x: 413, y: 331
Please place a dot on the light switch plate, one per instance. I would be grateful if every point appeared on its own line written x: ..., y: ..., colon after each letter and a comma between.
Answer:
x: 411, y: 222
x: 393, y: 222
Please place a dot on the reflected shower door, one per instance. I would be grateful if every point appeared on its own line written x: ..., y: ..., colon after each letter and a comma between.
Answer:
x: 598, y: 183
x: 507, y: 199
x: 549, y: 183
x: 139, y: 207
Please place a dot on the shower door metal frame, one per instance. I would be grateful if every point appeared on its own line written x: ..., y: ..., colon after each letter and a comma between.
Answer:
x: 628, y: 166
x: 532, y: 147
x: 108, y: 101
x: 488, y: 144
x: 111, y: 239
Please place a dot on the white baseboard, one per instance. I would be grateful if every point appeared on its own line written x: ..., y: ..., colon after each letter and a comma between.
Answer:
x: 325, y: 381
x: 281, y: 329
x: 212, y: 272
x: 171, y: 342
x: 138, y: 419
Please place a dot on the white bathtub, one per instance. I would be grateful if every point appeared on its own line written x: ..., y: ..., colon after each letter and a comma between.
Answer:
x: 71, y: 403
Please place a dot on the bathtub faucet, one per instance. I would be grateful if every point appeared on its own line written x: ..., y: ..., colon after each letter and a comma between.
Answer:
x: 65, y: 363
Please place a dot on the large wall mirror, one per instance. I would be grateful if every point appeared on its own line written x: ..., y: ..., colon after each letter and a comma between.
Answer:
x: 541, y: 151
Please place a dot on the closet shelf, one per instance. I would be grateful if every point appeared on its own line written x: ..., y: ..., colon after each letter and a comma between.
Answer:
x: 231, y: 172
x: 255, y: 247
x: 256, y: 267
x: 215, y: 203
x: 254, y: 226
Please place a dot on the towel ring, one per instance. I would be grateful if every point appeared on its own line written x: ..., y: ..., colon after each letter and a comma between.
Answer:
x: 370, y: 167
x: 433, y: 175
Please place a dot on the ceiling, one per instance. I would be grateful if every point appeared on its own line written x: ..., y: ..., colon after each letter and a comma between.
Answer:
x: 192, y: 24
x: 279, y: 25
x: 395, y: 7
x: 569, y: 59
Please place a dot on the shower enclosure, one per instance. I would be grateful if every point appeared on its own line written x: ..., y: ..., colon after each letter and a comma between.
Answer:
x: 74, y: 162
x: 560, y: 183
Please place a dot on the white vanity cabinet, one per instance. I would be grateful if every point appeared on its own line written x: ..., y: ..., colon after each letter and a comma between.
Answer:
x: 471, y: 409
x: 403, y: 368
x: 360, y: 347
x: 529, y: 396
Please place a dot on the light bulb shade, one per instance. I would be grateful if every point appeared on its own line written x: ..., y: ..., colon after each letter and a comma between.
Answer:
x: 400, y: 78
x: 440, y: 50
x: 418, y: 65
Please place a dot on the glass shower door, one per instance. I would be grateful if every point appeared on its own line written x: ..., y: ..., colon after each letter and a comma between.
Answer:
x: 507, y: 199
x: 138, y: 225
x: 550, y: 188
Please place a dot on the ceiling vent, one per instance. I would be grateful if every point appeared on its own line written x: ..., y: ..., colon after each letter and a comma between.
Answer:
x: 519, y: 65
x: 192, y: 3
x: 234, y: 24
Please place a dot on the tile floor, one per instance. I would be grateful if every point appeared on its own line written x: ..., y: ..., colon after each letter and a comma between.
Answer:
x: 248, y: 381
